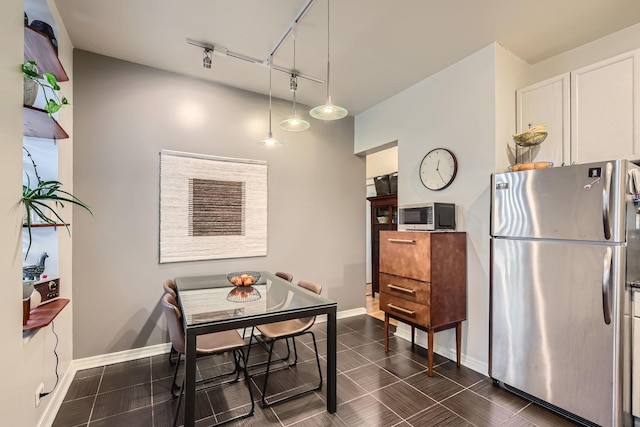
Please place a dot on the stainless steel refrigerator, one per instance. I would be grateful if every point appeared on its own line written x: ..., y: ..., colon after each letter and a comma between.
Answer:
x: 560, y: 242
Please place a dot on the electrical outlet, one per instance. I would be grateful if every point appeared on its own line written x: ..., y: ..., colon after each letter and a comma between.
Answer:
x: 39, y: 390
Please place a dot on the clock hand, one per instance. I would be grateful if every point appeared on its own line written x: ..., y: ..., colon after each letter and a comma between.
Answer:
x: 438, y: 166
x: 440, y: 176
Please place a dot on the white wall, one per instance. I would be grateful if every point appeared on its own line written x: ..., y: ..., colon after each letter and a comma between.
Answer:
x: 455, y: 109
x: 606, y: 47
x: 124, y: 115
x: 11, y: 54
x: 382, y: 162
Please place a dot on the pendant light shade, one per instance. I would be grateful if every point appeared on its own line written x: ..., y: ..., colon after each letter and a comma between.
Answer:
x: 328, y: 111
x: 294, y: 123
x: 269, y: 141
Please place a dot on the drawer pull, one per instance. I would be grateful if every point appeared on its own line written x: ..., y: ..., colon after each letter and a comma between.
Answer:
x: 401, y: 289
x: 402, y: 310
x: 413, y: 242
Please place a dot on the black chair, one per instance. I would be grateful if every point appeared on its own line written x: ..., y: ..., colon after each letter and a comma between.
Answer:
x: 209, y: 344
x: 272, y: 332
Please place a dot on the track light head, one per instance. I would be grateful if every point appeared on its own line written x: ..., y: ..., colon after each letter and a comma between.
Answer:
x: 206, y: 58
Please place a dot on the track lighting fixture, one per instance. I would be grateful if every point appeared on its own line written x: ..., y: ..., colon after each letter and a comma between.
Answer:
x: 328, y: 111
x: 270, y: 141
x: 294, y: 123
x: 206, y: 57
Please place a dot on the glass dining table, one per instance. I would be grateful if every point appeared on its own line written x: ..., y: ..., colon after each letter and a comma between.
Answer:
x: 212, y: 304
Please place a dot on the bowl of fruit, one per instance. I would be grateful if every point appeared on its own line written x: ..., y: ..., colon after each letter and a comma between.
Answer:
x: 243, y: 278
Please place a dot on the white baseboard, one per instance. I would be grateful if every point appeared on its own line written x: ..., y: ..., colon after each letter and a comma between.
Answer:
x: 76, y: 365
x: 450, y: 353
x: 58, y: 395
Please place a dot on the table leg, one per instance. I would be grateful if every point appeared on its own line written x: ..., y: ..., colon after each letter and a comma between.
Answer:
x: 430, y: 351
x: 458, y: 341
x: 332, y: 332
x: 386, y: 333
x: 190, y: 381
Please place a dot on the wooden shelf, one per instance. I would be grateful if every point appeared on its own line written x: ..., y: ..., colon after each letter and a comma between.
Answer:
x: 38, y: 124
x: 38, y: 48
x: 45, y: 225
x: 44, y: 314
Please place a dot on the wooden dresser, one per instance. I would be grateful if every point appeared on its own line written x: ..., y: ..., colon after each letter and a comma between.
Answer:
x: 423, y: 282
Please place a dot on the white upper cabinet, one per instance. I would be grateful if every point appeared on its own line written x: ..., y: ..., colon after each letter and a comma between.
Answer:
x: 590, y: 113
x: 546, y: 103
x: 604, y: 124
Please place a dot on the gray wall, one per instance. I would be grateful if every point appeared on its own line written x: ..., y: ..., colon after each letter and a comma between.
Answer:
x: 124, y: 114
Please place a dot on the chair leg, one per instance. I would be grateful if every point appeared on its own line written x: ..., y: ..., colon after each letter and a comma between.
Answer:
x: 265, y: 345
x: 172, y: 360
x: 175, y: 418
x: 174, y: 386
x: 264, y: 386
x: 238, y: 355
x: 315, y: 347
x: 295, y: 351
x: 266, y: 375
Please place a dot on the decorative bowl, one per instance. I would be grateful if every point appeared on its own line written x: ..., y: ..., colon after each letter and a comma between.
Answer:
x: 383, y: 219
x: 243, y: 294
x: 529, y: 166
x: 243, y: 278
x: 531, y: 137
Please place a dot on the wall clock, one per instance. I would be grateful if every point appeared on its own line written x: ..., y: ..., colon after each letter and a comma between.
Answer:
x: 438, y: 169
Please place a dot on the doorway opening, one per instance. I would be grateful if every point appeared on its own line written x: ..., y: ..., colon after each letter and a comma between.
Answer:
x: 380, y: 214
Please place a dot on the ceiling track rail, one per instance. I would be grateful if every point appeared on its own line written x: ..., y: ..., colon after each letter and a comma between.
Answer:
x: 221, y: 51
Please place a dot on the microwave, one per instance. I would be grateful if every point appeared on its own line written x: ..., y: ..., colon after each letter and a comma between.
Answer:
x: 427, y: 217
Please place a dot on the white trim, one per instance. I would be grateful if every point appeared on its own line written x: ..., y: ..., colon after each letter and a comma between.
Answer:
x: 56, y: 398
x: 343, y: 314
x: 450, y: 353
x: 49, y: 414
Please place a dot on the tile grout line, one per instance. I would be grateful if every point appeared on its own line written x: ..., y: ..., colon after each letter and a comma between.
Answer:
x: 95, y: 398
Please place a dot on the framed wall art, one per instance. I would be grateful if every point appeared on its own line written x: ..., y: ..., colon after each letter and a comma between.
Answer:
x: 211, y: 207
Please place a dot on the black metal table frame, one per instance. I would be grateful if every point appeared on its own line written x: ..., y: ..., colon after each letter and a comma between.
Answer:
x: 191, y: 333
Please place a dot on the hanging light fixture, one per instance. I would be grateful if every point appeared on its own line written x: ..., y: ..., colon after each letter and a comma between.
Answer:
x: 206, y: 57
x: 294, y: 123
x: 270, y: 141
x: 328, y: 111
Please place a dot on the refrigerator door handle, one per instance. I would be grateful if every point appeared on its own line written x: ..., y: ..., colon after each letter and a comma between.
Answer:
x: 606, y: 192
x: 606, y: 286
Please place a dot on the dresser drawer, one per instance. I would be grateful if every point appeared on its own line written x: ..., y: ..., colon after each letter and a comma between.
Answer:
x: 409, y: 289
x: 405, y: 310
x: 406, y: 254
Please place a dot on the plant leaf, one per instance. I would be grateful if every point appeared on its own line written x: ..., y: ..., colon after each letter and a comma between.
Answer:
x: 52, y: 80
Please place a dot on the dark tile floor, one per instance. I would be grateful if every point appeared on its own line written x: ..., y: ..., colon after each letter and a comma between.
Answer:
x: 374, y: 389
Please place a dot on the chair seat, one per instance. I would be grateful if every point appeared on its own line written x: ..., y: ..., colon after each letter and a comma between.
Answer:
x: 219, y: 342
x: 285, y: 328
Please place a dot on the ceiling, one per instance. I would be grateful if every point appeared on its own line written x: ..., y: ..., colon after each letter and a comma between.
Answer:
x: 378, y: 47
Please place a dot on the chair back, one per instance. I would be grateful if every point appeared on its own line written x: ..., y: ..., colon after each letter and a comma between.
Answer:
x: 315, y: 288
x: 285, y: 276
x: 169, y: 287
x: 310, y: 286
x: 174, y: 322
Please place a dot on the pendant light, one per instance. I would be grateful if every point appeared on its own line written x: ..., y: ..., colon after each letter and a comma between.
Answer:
x: 270, y: 141
x: 328, y: 111
x: 294, y: 123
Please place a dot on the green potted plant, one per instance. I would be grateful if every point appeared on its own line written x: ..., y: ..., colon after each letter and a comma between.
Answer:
x: 50, y: 87
x: 40, y: 201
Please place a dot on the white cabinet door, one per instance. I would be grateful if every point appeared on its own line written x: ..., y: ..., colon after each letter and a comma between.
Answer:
x: 603, y: 119
x: 546, y: 103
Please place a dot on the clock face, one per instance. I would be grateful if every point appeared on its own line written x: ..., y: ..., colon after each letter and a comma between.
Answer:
x: 438, y: 169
